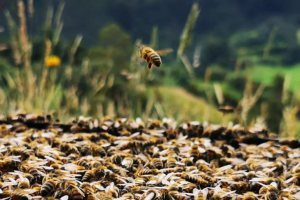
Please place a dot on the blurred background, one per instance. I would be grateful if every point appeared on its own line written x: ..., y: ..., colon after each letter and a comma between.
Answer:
x: 75, y: 57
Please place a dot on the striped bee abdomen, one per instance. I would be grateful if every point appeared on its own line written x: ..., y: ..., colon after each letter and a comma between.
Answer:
x: 156, y: 60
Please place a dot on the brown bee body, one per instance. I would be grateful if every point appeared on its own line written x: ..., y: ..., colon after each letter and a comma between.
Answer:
x: 152, y: 57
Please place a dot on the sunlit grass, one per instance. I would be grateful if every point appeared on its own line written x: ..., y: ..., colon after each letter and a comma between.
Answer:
x: 265, y: 74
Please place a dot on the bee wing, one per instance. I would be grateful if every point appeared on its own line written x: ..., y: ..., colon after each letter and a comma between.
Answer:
x: 205, y: 192
x: 66, y: 197
x: 164, y: 52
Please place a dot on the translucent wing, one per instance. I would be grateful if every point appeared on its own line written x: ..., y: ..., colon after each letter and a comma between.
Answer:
x: 164, y: 52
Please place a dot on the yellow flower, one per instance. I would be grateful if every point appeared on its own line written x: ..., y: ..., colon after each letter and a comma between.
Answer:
x: 52, y: 61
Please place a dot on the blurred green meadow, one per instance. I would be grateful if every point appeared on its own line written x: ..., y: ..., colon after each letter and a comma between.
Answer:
x: 256, y: 72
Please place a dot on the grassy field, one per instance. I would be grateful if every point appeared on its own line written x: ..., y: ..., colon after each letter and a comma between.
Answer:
x: 266, y: 74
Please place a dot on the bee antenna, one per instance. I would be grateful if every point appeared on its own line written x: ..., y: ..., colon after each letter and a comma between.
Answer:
x: 137, y: 46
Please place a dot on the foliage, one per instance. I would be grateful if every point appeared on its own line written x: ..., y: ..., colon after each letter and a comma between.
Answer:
x: 238, y: 69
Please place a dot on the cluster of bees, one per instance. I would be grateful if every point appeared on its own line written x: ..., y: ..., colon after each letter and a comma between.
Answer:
x: 122, y: 159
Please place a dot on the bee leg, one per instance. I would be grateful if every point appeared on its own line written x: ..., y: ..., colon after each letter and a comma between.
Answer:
x: 149, y: 66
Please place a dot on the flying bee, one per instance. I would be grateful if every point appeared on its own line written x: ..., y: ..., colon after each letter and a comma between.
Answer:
x: 226, y: 109
x: 152, y: 57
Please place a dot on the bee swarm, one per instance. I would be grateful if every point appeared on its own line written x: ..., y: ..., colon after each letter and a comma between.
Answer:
x: 87, y: 159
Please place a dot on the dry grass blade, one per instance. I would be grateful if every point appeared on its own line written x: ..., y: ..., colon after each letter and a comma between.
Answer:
x: 159, y: 110
x: 59, y: 13
x: 30, y: 8
x: 285, y: 91
x: 268, y: 46
x: 290, y: 121
x: 186, y: 37
x: 188, y: 65
x: 197, y: 56
x: 49, y: 17
x: 238, y: 66
x: 14, y: 38
x: 74, y: 48
x: 207, y: 75
x: 57, y: 32
x: 219, y: 93
x: 23, y: 27
x: 153, y: 42
x: 58, y: 24
x: 249, y: 99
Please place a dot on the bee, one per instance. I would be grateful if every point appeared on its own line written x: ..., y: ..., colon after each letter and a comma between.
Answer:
x: 170, y: 170
x: 187, y: 162
x: 151, y: 194
x: 127, y: 196
x: 115, y: 178
x: 77, y: 194
x: 194, y: 179
x: 83, y: 162
x: 154, y: 124
x: 286, y: 196
x: 23, y: 184
x: 152, y: 57
x: 157, y: 163
x: 48, y: 187
x: 98, y: 151
x: 171, y: 162
x: 87, y: 188
x: 195, y: 152
x: 60, y: 193
x: 6, y: 194
x: 178, y: 196
x: 200, y: 194
x: 226, y: 109
x: 188, y: 188
x: 249, y: 196
x: 21, y: 194
x: 127, y: 162
x: 117, y: 159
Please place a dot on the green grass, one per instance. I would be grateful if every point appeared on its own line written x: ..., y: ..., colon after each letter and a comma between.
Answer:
x: 184, y: 105
x: 265, y: 74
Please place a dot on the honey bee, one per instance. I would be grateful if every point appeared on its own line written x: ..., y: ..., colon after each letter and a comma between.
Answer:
x: 226, y: 109
x: 60, y: 193
x: 127, y: 196
x: 200, y: 194
x: 195, y: 152
x: 152, y: 57
x: 194, y: 179
x: 77, y: 194
x: 98, y: 151
x: 151, y: 194
x: 187, y: 162
x: 24, y: 183
x: 249, y: 196
x: 157, y: 163
x: 179, y: 196
x: 22, y: 194
x: 48, y: 187
x: 171, y: 162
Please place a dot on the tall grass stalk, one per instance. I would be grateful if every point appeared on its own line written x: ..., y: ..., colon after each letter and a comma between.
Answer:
x: 186, y: 36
